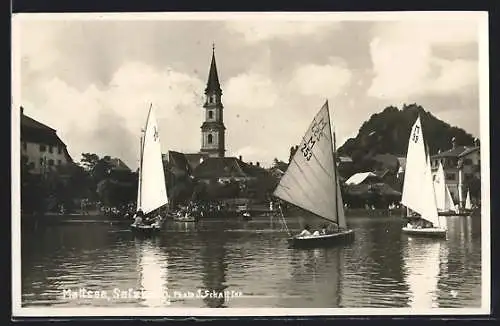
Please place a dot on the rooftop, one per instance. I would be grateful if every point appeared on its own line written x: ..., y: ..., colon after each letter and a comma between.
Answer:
x: 454, y: 152
x: 226, y: 167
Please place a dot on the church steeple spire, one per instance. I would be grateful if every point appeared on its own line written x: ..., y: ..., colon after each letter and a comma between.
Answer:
x: 213, y: 129
x: 213, y: 85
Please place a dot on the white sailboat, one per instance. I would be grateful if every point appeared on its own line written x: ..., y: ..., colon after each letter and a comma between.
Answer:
x: 468, y: 204
x: 152, y: 191
x: 444, y: 200
x: 311, y: 182
x: 418, y: 187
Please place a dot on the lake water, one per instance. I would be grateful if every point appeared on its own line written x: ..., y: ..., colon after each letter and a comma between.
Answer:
x: 251, y: 261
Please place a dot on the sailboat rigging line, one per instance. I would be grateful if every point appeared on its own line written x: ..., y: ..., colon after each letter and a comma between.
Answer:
x: 284, y: 221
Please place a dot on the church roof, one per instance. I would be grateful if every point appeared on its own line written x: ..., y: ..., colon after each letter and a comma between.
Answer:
x: 213, y: 85
x: 227, y: 167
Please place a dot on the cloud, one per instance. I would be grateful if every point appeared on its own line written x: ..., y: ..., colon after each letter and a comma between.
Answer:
x: 321, y: 80
x: 108, y: 121
x: 405, y: 65
x: 258, y: 31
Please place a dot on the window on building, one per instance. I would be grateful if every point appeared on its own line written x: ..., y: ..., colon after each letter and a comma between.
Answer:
x: 210, y: 114
x: 450, y: 176
x: 59, y: 149
x: 51, y: 162
x: 214, y: 98
x: 43, y: 148
x: 25, y: 146
x: 51, y: 150
x: 210, y: 138
x: 58, y: 162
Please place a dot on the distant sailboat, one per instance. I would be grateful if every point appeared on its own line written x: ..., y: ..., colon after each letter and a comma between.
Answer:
x: 152, y: 191
x: 311, y: 182
x: 468, y: 204
x: 418, y: 187
x: 444, y: 200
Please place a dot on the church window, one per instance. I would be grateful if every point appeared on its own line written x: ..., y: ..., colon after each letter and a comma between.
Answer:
x: 210, y: 138
x: 210, y: 114
x: 214, y: 98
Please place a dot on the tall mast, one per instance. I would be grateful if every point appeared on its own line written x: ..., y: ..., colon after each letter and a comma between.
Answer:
x: 140, y: 169
x: 334, y: 163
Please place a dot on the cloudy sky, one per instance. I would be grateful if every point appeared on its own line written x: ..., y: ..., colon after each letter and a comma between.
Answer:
x: 92, y: 80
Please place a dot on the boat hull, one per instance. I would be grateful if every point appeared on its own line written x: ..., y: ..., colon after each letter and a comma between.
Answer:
x: 452, y: 213
x: 184, y: 219
x: 326, y: 240
x: 426, y: 232
x: 145, y: 229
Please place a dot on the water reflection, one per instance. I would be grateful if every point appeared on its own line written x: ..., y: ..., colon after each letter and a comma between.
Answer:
x: 422, y: 259
x: 152, y: 268
x: 214, y: 267
x: 381, y: 268
x: 316, y: 276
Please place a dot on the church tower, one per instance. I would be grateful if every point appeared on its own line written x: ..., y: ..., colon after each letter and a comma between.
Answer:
x: 213, y: 129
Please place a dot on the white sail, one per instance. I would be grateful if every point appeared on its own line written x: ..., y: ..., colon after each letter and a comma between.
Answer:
x: 340, y: 208
x: 450, y: 204
x: 418, y: 188
x: 468, y: 204
x: 310, y: 182
x: 152, y: 190
x: 440, y: 189
x: 139, y: 175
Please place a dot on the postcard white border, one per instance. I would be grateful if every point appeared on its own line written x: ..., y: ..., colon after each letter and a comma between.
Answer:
x: 481, y: 17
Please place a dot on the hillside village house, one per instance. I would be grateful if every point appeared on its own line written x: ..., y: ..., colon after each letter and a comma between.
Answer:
x: 41, y: 148
x: 460, y: 163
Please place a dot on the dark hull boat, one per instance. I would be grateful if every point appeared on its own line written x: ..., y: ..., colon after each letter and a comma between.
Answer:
x: 146, y: 229
x: 452, y: 213
x: 325, y: 240
x: 184, y: 218
x: 426, y: 232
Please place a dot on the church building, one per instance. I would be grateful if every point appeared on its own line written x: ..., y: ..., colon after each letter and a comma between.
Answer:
x: 211, y: 163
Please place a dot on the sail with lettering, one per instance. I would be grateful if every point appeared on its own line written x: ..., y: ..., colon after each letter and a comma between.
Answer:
x: 152, y: 192
x: 311, y: 182
x: 418, y: 188
x: 468, y: 204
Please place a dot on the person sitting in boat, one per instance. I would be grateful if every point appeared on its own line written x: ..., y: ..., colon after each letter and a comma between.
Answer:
x: 305, y: 232
x: 316, y: 233
x: 332, y: 228
x: 138, y: 217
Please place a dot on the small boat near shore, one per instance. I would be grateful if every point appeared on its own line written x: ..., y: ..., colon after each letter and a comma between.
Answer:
x: 184, y: 218
x: 311, y: 182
